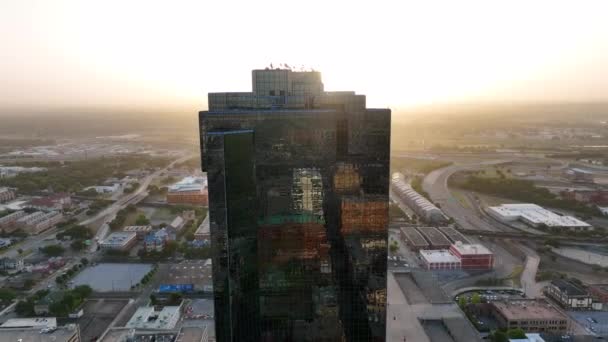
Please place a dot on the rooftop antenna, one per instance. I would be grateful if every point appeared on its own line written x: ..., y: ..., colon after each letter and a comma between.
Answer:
x: 271, y: 67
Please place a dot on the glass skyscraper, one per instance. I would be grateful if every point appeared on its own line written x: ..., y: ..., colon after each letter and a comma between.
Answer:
x: 298, y: 206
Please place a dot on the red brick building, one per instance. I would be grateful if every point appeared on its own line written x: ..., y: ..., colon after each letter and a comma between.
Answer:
x: 473, y: 256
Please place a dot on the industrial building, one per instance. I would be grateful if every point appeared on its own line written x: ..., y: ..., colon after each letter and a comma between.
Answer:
x: 473, y: 256
x: 140, y: 231
x: 413, y: 239
x: 59, y: 202
x: 531, y: 315
x: 418, y: 203
x: 434, y: 237
x: 6, y: 195
x: 579, y: 175
x: 8, y: 223
x: 151, y: 317
x: 38, y: 221
x: 535, y: 216
x: 190, y: 190
x: 439, y: 260
x: 453, y: 235
x: 119, y: 241
x: 569, y: 294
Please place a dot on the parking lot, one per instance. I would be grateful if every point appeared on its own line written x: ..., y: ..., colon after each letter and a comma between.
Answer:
x: 595, y: 322
x: 112, y: 277
x: 196, y: 272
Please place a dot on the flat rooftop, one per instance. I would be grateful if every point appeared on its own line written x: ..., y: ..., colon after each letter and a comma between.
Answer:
x: 471, y: 249
x: 528, y: 310
x: 119, y: 238
x: 441, y: 255
x: 453, y: 234
x: 62, y: 334
x: 537, y: 215
x: 148, y: 318
x: 434, y: 236
x: 568, y: 287
x: 415, y: 237
x: 37, y: 322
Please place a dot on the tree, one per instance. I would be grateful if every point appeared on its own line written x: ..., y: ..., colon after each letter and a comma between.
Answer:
x: 52, y: 250
x: 142, y: 220
x: 500, y: 336
x: 20, y: 251
x: 7, y: 295
x: 77, y: 245
x: 516, y: 333
x: 394, y: 247
x: 462, y: 302
x: 84, y: 261
x: 25, y: 308
x: 475, y: 298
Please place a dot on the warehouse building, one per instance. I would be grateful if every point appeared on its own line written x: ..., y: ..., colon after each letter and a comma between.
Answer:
x: 6, y: 195
x: 8, y: 223
x: 530, y: 315
x: 39, y: 221
x: 453, y: 235
x: 439, y: 260
x: 434, y: 237
x: 535, y: 216
x: 413, y: 239
x: 418, y: 203
x: 569, y: 295
x: 473, y: 256
x: 121, y: 241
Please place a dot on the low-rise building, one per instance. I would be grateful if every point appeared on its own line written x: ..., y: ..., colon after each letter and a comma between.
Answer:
x: 439, y: 260
x: 435, y: 237
x: 59, y: 202
x: 418, y: 203
x: 153, y: 243
x: 569, y: 294
x: 34, y: 322
x: 121, y: 241
x: 576, y: 174
x: 473, y: 256
x: 151, y: 317
x: 68, y: 333
x: 177, y: 223
x: 104, y: 189
x: 6, y: 194
x: 39, y: 221
x: 12, y: 264
x: 599, y: 292
x: 203, y: 232
x: 535, y: 216
x: 8, y: 223
x: 530, y: 315
x: 413, y: 239
x: 190, y: 190
x: 140, y: 231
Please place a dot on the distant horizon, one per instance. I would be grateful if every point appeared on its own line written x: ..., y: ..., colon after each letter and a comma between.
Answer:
x: 146, y: 54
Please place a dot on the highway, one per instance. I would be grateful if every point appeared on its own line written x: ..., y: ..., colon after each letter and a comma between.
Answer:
x: 436, y: 185
x: 33, y: 242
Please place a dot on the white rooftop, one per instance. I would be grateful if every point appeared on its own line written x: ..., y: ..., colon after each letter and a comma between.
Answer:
x: 38, y: 322
x: 189, y: 184
x: 536, y: 214
x: 441, y: 255
x: 468, y: 249
x: 147, y: 318
x: 119, y: 237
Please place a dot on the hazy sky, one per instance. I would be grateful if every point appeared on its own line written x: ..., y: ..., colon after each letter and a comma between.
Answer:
x: 143, y: 54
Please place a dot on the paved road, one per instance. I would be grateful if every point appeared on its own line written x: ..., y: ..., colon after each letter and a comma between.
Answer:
x: 528, y: 276
x: 109, y: 213
x: 436, y: 185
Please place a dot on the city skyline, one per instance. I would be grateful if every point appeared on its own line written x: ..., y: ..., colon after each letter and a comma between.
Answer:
x: 152, y: 55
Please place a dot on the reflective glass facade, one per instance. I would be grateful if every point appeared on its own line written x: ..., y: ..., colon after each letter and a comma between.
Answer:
x: 298, y: 205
